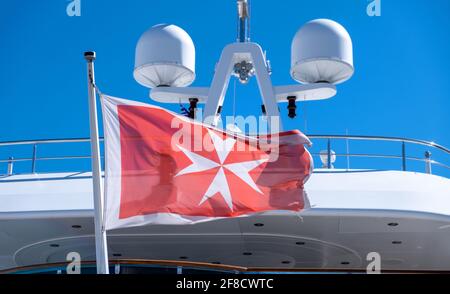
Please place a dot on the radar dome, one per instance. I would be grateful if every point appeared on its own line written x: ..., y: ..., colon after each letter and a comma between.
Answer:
x: 165, y: 56
x: 322, y: 51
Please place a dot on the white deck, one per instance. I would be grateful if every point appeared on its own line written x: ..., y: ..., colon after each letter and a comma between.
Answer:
x: 348, y: 218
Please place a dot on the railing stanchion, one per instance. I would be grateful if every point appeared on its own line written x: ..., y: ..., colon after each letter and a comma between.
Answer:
x: 403, y: 156
x: 329, y: 154
x: 428, y: 162
x: 10, y: 166
x: 33, y: 160
x: 347, y: 147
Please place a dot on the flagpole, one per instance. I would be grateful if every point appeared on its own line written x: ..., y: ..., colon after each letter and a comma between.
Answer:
x: 101, y: 248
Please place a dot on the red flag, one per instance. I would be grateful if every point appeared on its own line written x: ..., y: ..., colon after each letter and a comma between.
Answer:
x: 163, y: 168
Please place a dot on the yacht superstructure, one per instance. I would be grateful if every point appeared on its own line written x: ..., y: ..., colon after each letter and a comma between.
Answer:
x: 402, y: 215
x: 392, y: 206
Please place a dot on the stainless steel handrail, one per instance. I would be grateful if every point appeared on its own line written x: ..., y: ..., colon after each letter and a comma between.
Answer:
x: 45, y: 141
x: 46, y: 158
x: 350, y: 137
x: 381, y: 138
x: 403, y: 156
x: 425, y: 160
x: 403, y: 142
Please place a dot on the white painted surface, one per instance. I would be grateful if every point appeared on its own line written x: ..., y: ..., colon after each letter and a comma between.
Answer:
x: 383, y: 190
x: 310, y: 92
x: 349, y: 218
x: 375, y: 190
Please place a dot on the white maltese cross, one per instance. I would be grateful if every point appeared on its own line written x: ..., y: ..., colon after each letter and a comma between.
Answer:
x: 219, y: 183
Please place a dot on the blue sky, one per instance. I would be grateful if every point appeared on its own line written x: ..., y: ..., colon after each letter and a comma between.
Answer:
x: 401, y: 84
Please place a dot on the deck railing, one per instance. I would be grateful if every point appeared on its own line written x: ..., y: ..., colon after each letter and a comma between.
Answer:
x: 326, y: 155
x: 401, y: 155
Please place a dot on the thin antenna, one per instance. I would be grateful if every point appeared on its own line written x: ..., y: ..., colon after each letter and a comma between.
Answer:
x: 244, y: 20
x: 249, y: 20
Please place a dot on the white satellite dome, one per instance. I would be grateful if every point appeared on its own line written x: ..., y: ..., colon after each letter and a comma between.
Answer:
x: 322, y: 51
x: 165, y: 56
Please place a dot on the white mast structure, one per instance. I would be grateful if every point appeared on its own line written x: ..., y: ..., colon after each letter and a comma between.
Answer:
x: 322, y: 56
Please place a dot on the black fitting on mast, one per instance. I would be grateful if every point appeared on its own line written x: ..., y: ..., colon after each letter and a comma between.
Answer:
x: 292, y: 107
x: 192, y: 107
x: 263, y: 109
